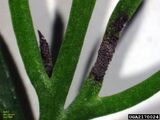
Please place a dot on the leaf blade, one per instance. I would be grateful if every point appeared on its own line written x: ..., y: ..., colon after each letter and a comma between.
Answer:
x: 27, y: 43
x: 65, y: 65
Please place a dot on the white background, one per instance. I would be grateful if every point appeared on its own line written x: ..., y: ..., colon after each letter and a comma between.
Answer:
x: 136, y: 58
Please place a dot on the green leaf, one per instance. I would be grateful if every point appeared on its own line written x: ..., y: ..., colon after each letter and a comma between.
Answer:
x: 68, y: 57
x: 13, y: 97
x: 29, y: 50
x: 52, y: 92
x: 96, y: 106
x: 27, y: 43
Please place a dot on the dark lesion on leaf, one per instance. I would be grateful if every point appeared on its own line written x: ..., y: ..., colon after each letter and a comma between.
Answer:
x: 45, y: 54
x: 107, y: 48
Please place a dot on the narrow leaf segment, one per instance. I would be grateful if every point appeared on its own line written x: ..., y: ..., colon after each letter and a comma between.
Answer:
x: 97, y: 106
x: 29, y: 50
x: 27, y: 43
x: 68, y: 57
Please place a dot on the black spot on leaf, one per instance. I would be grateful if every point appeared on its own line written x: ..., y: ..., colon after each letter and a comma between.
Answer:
x: 107, y: 48
x: 45, y: 54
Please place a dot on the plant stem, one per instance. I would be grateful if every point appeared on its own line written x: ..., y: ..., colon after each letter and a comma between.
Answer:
x: 98, y: 106
x: 27, y: 43
x: 66, y: 63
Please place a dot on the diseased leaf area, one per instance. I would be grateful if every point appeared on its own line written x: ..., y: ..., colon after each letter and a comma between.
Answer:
x: 51, y: 71
x: 121, y: 15
x: 46, y: 55
x: 107, y: 47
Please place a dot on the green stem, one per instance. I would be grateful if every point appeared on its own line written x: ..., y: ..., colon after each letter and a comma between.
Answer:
x: 65, y: 66
x: 97, y: 106
x: 26, y: 39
